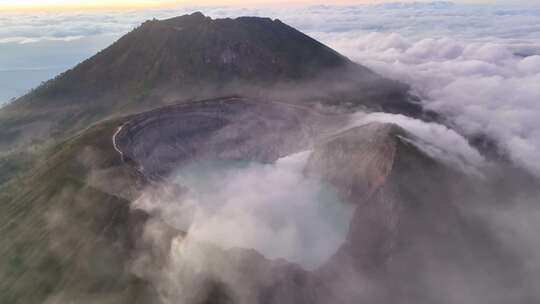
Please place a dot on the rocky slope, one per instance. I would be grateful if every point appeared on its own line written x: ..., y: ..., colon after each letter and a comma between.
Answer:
x: 409, y: 207
x: 69, y: 234
x: 187, y: 58
x: 66, y: 230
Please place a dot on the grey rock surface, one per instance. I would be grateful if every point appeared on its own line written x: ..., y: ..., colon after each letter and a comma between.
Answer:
x: 220, y: 129
x: 409, y: 220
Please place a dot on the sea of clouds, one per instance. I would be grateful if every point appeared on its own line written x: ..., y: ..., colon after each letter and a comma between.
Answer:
x: 480, y: 87
x: 478, y: 65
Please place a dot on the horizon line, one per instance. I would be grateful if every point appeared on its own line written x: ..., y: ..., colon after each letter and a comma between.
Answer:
x: 169, y: 4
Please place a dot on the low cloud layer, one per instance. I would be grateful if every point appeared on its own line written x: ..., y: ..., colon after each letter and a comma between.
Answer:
x: 418, y: 19
x: 480, y: 88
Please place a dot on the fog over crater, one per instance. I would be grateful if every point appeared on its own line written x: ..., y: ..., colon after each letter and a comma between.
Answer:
x: 272, y: 208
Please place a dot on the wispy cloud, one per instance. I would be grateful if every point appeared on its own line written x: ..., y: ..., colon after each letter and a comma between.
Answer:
x: 434, y: 139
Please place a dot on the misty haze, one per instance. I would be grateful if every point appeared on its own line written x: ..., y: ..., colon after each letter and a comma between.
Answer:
x: 158, y: 152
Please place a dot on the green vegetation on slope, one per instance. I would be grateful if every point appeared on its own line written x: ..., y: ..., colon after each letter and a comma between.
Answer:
x: 65, y: 227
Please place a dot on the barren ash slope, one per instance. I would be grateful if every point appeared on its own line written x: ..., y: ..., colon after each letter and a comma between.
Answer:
x: 123, y: 124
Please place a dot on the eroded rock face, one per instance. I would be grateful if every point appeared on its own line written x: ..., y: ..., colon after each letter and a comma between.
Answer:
x: 412, y: 226
x: 356, y: 161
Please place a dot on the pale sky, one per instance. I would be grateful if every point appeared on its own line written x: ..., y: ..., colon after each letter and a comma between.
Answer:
x: 41, y: 5
x: 108, y: 4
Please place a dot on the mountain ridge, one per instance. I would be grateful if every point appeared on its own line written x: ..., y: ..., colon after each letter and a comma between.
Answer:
x: 187, y: 58
x: 158, y: 50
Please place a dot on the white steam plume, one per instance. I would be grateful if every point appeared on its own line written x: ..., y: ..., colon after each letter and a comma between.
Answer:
x: 436, y: 140
x: 271, y: 208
